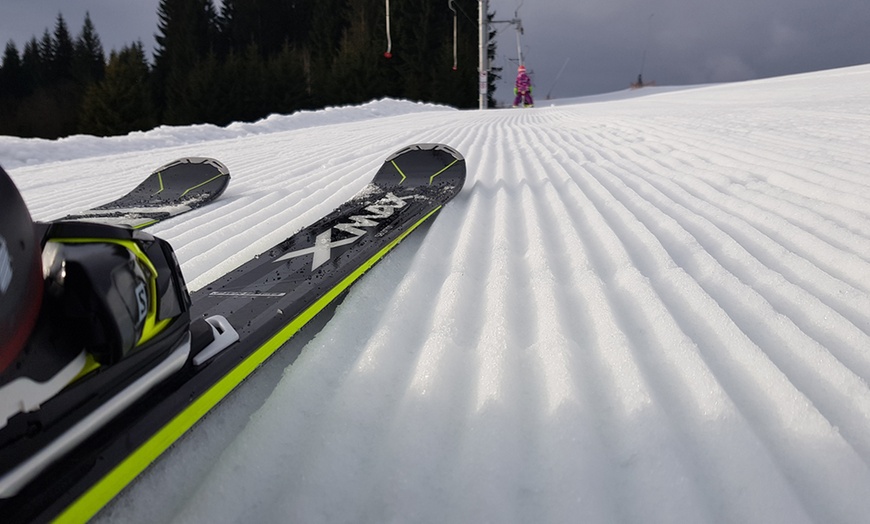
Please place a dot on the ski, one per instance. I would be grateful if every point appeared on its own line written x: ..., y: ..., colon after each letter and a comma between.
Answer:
x: 237, y: 322
x: 175, y: 188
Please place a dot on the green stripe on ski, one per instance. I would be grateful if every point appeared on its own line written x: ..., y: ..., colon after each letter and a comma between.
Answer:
x: 93, y: 500
x: 448, y: 166
x: 399, y: 170
x: 188, y: 190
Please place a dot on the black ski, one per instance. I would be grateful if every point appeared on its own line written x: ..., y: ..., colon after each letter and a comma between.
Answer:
x: 244, y: 317
x: 176, y: 188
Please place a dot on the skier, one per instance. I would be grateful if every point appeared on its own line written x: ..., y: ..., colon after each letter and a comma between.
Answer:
x: 523, y: 88
x: 79, y: 297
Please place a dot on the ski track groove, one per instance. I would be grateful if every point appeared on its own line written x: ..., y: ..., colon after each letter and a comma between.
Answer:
x: 709, y: 143
x: 761, y: 262
x: 817, y: 489
x: 412, y: 434
x: 781, y: 170
x: 558, y: 348
x: 839, y: 231
x: 551, y: 355
x: 678, y: 469
x: 793, y: 152
x: 501, y: 397
x: 662, y: 437
x: 701, y: 201
x: 836, y: 346
x: 574, y: 400
x: 845, y: 145
x: 795, y: 462
x: 843, y: 266
x: 649, y: 428
x: 795, y: 205
x: 724, y: 473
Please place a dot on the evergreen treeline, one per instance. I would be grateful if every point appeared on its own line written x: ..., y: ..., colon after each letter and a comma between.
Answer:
x: 242, y: 62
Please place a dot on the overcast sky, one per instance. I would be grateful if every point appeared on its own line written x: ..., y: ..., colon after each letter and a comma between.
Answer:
x: 605, y: 42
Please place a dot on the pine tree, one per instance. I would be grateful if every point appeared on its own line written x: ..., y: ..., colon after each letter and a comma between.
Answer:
x: 414, y: 39
x: 11, y: 73
x: 328, y: 22
x: 62, y: 51
x: 268, y: 23
x: 287, y: 88
x: 11, y: 89
x: 46, y: 69
x: 64, y: 92
x: 121, y: 102
x: 421, y: 67
x: 359, y: 72
x: 32, y: 65
x: 188, y: 32
x: 208, y: 94
x: 247, y: 88
x: 89, y: 60
x: 494, y: 72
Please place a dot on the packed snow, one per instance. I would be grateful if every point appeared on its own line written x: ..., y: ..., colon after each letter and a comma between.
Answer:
x: 648, y: 308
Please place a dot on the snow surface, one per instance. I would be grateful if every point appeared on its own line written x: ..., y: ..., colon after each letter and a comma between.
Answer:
x: 646, y: 309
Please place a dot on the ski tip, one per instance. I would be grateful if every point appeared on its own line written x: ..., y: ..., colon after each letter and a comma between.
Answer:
x: 426, y: 147
x: 436, y: 165
x: 217, y: 164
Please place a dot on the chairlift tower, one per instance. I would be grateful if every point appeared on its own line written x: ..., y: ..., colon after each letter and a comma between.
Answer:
x: 483, y: 63
x: 483, y: 58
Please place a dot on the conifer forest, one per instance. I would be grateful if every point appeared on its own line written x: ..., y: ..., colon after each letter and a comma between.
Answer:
x: 240, y: 60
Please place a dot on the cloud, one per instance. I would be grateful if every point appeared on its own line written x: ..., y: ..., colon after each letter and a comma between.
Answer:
x: 728, y: 67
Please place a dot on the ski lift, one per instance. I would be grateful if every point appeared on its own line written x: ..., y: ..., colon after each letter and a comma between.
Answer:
x: 389, y: 52
x: 450, y: 5
x: 455, y: 32
x: 518, y: 24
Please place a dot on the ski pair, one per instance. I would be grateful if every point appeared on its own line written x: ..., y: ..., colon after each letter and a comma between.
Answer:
x: 238, y: 321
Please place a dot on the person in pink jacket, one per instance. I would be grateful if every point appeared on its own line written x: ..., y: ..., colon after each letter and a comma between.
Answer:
x: 523, y: 89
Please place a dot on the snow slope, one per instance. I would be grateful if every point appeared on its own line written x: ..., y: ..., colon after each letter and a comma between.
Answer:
x: 652, y: 309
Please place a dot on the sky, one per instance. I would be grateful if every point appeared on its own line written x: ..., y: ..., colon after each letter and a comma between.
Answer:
x: 598, y: 46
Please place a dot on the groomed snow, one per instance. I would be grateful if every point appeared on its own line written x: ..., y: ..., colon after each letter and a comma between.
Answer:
x: 647, y: 309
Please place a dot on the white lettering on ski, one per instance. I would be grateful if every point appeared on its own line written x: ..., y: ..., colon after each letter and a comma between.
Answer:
x: 323, y: 243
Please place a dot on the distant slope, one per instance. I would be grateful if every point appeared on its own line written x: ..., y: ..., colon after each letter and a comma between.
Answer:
x: 646, y: 310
